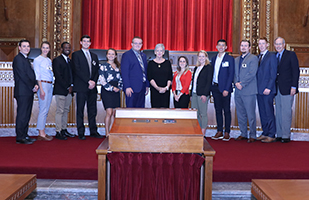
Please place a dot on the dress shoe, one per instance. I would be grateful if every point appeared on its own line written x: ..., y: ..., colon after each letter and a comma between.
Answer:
x: 250, y: 140
x: 30, y: 139
x: 226, y: 136
x: 81, y: 137
x: 45, y: 138
x: 262, y: 137
x: 278, y: 139
x: 285, y: 140
x: 218, y: 136
x: 60, y: 136
x: 268, y: 140
x: 240, y: 138
x: 66, y: 133
x: 96, y: 135
x: 23, y: 141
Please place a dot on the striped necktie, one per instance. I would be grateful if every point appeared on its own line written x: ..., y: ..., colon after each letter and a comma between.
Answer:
x: 139, y: 57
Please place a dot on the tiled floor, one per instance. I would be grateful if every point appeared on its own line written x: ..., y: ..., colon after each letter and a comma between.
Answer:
x: 87, y: 190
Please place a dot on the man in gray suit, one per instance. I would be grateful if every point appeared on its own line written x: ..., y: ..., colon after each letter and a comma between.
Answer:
x: 246, y: 67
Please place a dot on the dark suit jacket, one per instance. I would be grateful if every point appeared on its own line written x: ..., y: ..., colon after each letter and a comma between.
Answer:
x: 288, y: 72
x: 226, y: 72
x: 24, y: 76
x: 131, y: 71
x: 63, y: 76
x: 81, y: 74
x: 204, y: 80
x: 267, y: 73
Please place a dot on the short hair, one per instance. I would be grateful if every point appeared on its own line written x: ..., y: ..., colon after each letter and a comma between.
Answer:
x: 263, y: 38
x: 187, y: 61
x: 116, y: 60
x: 160, y: 45
x: 63, y: 43
x: 85, y: 36
x: 246, y: 41
x: 45, y: 42
x: 21, y: 41
x: 283, y: 40
x: 137, y: 37
x: 207, y: 59
x: 222, y: 40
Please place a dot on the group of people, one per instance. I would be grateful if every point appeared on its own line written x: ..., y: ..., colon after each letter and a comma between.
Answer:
x: 260, y: 78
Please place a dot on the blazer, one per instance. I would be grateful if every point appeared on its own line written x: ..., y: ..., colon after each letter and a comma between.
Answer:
x: 246, y: 74
x: 288, y: 72
x: 81, y: 74
x: 267, y: 73
x: 204, y: 80
x: 131, y: 71
x: 185, y: 80
x: 24, y: 76
x: 63, y: 76
x: 226, y: 72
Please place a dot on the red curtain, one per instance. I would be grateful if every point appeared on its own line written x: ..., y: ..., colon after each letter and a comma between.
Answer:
x: 155, y: 176
x: 181, y: 25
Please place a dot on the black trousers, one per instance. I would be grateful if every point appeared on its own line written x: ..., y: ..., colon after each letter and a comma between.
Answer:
x: 24, y: 108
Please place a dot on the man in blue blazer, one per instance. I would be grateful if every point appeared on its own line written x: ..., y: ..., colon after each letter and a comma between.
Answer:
x: 266, y: 79
x: 25, y: 86
x: 287, y: 86
x: 85, y: 76
x: 134, y: 75
x: 224, y: 67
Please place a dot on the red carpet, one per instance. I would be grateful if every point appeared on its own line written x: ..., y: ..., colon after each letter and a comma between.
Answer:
x: 235, y: 161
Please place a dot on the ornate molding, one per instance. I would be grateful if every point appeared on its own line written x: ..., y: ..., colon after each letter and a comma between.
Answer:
x: 45, y: 21
x: 268, y: 17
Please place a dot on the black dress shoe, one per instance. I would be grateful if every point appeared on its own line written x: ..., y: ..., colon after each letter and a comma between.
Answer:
x: 285, y: 140
x: 96, y: 135
x: 81, y: 137
x: 60, y: 136
x: 66, y: 133
x: 278, y: 139
x: 30, y: 139
x: 23, y: 141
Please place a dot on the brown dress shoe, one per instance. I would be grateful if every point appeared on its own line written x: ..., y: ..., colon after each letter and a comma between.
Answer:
x: 262, y: 137
x: 240, y: 138
x: 45, y: 138
x: 218, y: 136
x: 269, y: 140
x: 226, y: 136
x: 250, y: 140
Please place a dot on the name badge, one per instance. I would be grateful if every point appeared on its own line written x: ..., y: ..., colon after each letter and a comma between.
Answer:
x: 225, y: 64
x: 244, y: 65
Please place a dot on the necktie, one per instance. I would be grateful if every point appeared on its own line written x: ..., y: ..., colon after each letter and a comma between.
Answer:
x: 139, y: 57
x: 89, y: 61
x: 260, y: 58
x: 278, y: 59
x: 68, y: 60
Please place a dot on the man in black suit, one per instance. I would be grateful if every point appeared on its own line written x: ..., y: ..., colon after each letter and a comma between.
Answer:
x: 287, y: 86
x: 25, y: 86
x: 85, y: 77
x: 63, y: 90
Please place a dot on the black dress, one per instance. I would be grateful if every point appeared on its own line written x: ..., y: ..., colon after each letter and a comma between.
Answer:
x: 160, y: 73
x: 110, y: 78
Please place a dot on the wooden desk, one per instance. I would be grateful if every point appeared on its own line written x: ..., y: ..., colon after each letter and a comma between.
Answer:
x: 16, y: 186
x: 127, y: 135
x: 280, y: 189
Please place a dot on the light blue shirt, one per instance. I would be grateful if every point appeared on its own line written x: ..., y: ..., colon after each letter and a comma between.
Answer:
x: 43, y: 69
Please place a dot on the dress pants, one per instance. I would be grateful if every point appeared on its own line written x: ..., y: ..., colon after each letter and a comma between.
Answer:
x: 183, y: 101
x: 24, y: 108
x: 44, y: 105
x: 201, y: 107
x: 137, y: 100
x: 245, y: 109
x: 267, y: 116
x: 222, y: 104
x: 89, y: 97
x: 62, y: 110
x: 284, y: 105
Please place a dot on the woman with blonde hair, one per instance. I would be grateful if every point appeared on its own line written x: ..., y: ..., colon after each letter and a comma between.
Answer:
x: 201, y: 83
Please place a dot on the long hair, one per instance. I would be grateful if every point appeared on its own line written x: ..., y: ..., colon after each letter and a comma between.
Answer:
x: 207, y: 59
x: 116, y: 60
x: 187, y: 61
x: 46, y: 42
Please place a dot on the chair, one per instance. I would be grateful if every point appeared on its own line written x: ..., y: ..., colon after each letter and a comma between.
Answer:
x: 150, y: 54
x: 101, y: 53
x: 34, y: 52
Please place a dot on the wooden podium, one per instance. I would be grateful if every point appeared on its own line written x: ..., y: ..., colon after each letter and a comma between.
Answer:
x: 155, y: 130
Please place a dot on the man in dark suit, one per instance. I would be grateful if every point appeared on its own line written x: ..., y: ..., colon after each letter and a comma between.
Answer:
x: 134, y: 75
x: 266, y: 79
x: 63, y: 90
x: 25, y: 86
x: 224, y: 67
x: 85, y: 76
x: 287, y: 87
